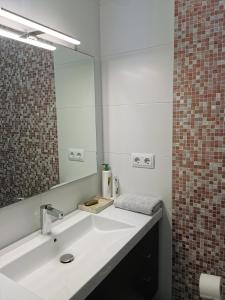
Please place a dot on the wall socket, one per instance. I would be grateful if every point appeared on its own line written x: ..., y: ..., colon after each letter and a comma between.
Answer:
x: 75, y: 154
x: 143, y: 160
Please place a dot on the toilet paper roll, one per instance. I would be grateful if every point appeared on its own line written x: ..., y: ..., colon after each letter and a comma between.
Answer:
x: 210, y: 287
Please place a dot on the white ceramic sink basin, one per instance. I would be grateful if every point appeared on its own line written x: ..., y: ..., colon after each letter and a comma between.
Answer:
x: 31, y: 269
x: 39, y: 268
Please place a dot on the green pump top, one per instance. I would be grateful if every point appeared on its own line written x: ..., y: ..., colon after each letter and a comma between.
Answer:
x: 106, y: 167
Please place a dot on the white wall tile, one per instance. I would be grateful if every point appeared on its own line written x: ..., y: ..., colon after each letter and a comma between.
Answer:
x: 138, y: 128
x: 135, y: 24
x: 139, y: 77
x: 143, y: 181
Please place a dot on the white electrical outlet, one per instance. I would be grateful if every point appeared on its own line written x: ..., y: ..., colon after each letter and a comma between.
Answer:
x: 75, y: 154
x: 143, y: 160
x: 136, y: 160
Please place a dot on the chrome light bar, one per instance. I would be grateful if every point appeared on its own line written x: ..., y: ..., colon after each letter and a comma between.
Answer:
x: 37, y: 26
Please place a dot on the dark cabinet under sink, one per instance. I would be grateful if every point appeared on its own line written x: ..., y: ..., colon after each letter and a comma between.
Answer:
x: 136, y: 276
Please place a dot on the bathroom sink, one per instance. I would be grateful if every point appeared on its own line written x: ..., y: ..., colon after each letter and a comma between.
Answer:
x: 89, y: 240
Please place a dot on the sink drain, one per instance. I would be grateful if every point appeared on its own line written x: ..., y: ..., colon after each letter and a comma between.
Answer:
x: 66, y: 258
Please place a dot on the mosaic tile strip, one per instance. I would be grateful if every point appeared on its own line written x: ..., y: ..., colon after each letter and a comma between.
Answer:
x: 198, y: 144
x: 28, y: 125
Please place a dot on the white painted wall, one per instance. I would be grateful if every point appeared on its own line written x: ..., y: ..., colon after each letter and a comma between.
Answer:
x: 79, y: 18
x: 137, y: 74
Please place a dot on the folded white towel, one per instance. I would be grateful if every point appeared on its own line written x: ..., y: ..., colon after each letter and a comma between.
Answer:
x: 143, y: 204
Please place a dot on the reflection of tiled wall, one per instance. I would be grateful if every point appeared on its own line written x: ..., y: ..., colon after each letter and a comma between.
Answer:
x: 28, y: 137
x: 198, y: 144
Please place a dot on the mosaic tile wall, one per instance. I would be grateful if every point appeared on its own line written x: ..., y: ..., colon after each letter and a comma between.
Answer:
x: 28, y: 132
x: 198, y: 144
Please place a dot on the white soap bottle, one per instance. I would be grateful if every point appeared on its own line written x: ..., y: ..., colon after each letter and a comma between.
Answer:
x: 106, y: 181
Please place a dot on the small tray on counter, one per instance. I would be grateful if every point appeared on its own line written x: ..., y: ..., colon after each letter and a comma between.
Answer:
x: 96, y: 208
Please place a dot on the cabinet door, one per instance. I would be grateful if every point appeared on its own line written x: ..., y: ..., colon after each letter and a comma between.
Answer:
x: 146, y: 252
x: 136, y: 276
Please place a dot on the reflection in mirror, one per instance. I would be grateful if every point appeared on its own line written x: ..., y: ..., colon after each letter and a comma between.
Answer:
x: 75, y: 102
x: 47, y: 113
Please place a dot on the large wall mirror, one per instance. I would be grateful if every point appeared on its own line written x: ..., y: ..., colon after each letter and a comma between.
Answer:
x: 47, y: 115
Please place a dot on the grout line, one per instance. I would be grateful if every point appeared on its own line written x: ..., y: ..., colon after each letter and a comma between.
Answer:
x: 139, y: 103
x: 80, y: 106
x: 75, y: 106
x: 129, y: 154
x: 135, y: 51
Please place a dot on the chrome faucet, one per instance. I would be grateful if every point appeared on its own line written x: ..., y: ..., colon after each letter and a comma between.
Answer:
x: 47, y: 212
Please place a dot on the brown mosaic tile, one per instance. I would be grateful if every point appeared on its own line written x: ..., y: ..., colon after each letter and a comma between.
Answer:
x: 28, y: 133
x: 198, y: 144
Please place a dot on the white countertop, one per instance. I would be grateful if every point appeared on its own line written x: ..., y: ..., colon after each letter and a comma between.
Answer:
x: 92, y: 272
x: 10, y: 290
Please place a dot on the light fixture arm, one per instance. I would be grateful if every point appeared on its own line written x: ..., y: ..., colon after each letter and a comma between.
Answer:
x: 31, y: 40
x: 31, y: 34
